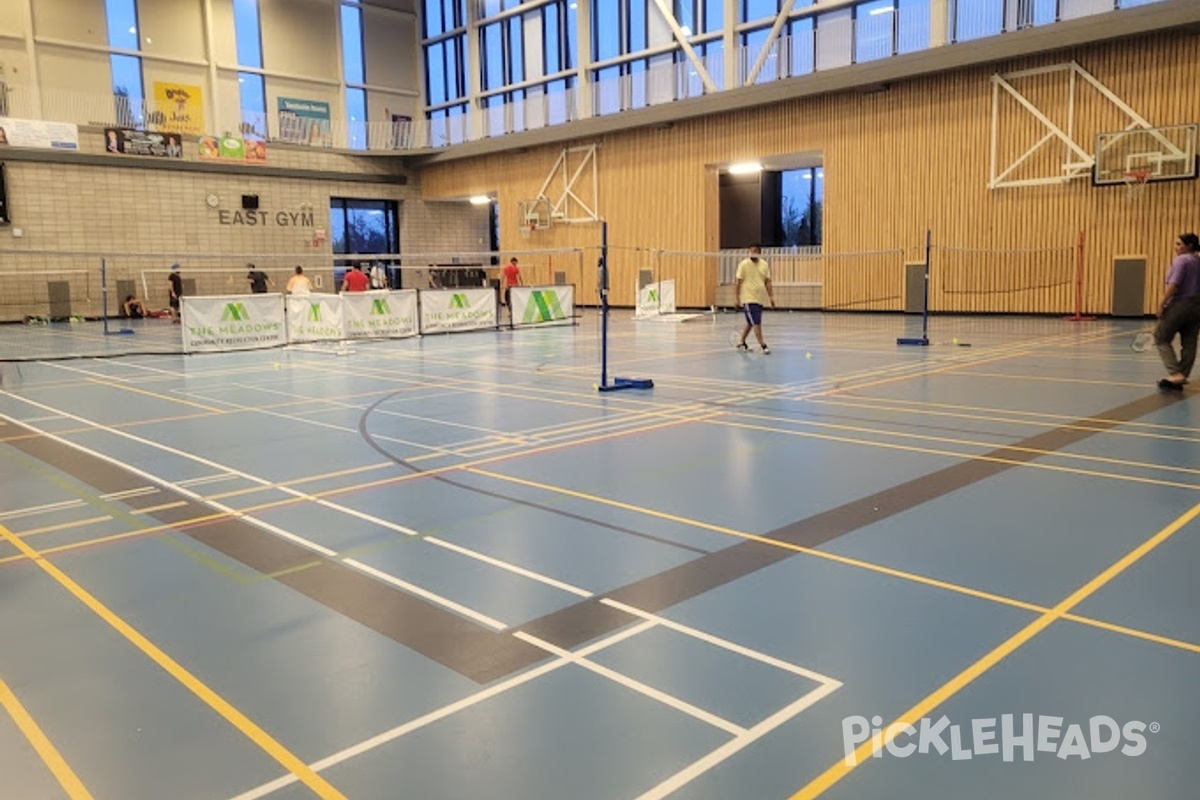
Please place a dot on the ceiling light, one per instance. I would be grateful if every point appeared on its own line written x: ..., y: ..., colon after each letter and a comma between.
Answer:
x: 480, y: 200
x: 748, y: 168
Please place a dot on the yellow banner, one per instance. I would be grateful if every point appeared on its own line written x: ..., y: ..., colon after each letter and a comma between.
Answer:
x: 180, y: 108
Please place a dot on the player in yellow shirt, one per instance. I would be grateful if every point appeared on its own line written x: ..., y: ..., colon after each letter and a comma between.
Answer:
x: 754, y: 291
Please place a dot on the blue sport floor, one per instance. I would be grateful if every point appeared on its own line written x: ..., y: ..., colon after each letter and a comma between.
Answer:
x: 450, y: 568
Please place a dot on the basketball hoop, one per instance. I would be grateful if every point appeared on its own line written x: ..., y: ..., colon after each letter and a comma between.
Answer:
x: 527, y: 231
x: 1135, y: 182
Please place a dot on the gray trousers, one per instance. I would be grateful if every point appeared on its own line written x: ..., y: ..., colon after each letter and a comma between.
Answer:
x: 1181, y: 318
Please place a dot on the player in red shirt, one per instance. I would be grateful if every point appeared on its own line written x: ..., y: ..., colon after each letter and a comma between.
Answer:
x: 355, y: 280
x: 512, y: 277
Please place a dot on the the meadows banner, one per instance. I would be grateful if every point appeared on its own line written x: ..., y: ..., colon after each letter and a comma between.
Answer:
x: 542, y: 305
x: 242, y: 322
x: 181, y: 107
x: 315, y: 318
x: 445, y: 310
x: 36, y: 133
x: 656, y: 298
x: 305, y: 122
x: 380, y: 314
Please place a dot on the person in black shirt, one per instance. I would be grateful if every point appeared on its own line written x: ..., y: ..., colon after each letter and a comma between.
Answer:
x: 258, y: 279
x: 175, y: 281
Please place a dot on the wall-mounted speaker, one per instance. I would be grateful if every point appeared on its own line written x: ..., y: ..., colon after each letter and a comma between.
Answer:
x: 250, y: 202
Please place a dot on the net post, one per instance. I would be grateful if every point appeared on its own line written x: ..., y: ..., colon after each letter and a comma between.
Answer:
x: 1078, y: 316
x: 104, y: 292
x: 618, y: 383
x: 923, y: 340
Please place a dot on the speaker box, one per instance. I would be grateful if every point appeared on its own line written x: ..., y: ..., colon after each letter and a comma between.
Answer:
x: 250, y: 202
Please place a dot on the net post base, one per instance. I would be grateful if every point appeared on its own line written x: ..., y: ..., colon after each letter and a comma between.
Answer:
x: 1079, y: 318
x: 922, y: 341
x: 626, y: 383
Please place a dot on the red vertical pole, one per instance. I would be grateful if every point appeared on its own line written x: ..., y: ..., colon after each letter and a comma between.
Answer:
x: 1079, y: 317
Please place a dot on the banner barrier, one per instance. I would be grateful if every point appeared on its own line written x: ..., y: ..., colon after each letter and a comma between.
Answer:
x: 542, y: 305
x: 241, y: 322
x: 655, y: 299
x: 445, y: 310
x: 380, y: 314
x: 315, y: 318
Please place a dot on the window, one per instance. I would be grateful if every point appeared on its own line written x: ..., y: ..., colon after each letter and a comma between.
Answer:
x: 360, y: 227
x: 354, y: 71
x: 251, y: 87
x: 801, y: 196
x: 874, y: 28
x: 127, y: 88
x: 246, y: 31
x: 445, y: 55
x: 356, y: 116
x: 128, y: 91
x: 254, y: 104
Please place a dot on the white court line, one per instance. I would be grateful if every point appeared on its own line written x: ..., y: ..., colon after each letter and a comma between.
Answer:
x: 47, y: 418
x: 495, y: 562
x: 517, y: 570
x: 207, y: 479
x: 698, y: 768
x: 719, y: 642
x: 491, y: 622
x: 438, y: 714
x: 635, y: 685
x: 56, y: 365
x: 260, y: 481
x: 42, y: 509
x: 827, y: 686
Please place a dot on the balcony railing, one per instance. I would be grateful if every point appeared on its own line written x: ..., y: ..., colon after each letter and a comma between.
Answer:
x: 818, y: 40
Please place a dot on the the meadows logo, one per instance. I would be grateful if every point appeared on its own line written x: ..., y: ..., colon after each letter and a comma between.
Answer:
x: 1046, y: 734
x: 543, y: 307
x: 380, y: 307
x: 459, y: 300
x: 314, y: 312
x: 652, y: 296
x: 234, y: 312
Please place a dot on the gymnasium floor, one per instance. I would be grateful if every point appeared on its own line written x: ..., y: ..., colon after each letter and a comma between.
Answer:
x: 448, y: 568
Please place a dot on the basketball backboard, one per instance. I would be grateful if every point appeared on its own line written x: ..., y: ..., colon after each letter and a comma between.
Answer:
x: 1150, y: 154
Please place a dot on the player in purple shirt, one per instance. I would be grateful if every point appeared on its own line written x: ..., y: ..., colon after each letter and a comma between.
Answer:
x: 1179, y: 313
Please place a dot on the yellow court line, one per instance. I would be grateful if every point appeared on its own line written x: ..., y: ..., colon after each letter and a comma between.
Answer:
x: 965, y: 456
x: 1052, y: 379
x: 695, y: 523
x: 166, y: 397
x: 1134, y: 632
x: 49, y: 754
x: 989, y: 409
x: 285, y: 757
x: 63, y: 526
x: 924, y: 437
x: 1032, y: 423
x: 959, y: 682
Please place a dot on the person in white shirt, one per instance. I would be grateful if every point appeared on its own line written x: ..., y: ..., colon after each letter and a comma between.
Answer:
x: 299, y: 283
x: 753, y: 291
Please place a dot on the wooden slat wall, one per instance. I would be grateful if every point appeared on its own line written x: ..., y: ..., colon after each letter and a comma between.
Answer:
x: 896, y: 163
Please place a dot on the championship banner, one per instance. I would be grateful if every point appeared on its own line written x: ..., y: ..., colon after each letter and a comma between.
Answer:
x: 654, y: 299
x: 315, y: 318
x: 244, y: 322
x: 541, y: 305
x: 181, y: 107
x: 35, y: 133
x: 445, y: 310
x: 380, y: 314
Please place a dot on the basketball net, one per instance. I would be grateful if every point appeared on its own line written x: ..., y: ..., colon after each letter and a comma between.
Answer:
x: 1135, y: 182
x: 526, y: 231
